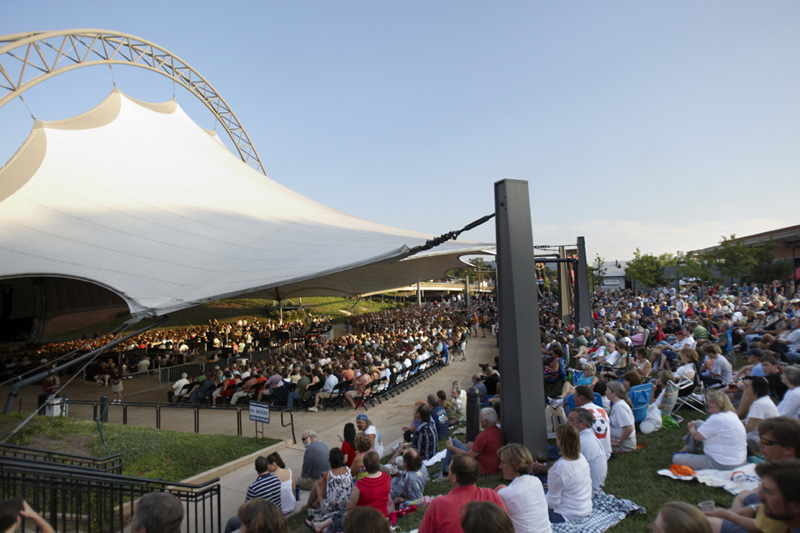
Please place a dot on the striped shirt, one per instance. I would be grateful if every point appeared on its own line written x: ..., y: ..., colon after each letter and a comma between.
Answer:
x: 266, y: 486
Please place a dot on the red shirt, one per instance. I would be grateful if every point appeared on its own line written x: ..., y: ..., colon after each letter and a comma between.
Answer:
x: 349, y: 453
x: 486, y: 444
x: 444, y: 513
x: 374, y: 492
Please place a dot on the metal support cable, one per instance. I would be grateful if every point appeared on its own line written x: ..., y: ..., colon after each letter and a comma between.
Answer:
x: 436, y: 241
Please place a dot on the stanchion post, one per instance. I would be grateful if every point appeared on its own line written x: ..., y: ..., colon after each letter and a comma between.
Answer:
x: 473, y: 413
x: 104, y: 403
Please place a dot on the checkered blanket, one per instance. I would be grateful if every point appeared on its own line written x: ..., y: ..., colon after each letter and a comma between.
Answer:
x: 607, y: 511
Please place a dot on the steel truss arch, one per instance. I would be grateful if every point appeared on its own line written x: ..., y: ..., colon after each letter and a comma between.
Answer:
x: 27, y: 59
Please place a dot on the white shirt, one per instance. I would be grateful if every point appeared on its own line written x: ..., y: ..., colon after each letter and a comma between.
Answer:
x: 526, y: 504
x: 687, y: 342
x: 601, y: 426
x: 790, y: 406
x: 726, y: 439
x: 761, y: 409
x: 686, y: 371
x: 178, y: 385
x: 569, y: 486
x: 378, y: 444
x: 620, y: 417
x: 595, y: 455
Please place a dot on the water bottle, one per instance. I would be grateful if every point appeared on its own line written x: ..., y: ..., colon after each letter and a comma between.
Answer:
x: 297, y: 493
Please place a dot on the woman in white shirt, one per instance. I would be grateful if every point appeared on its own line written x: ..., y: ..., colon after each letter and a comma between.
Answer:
x: 569, y: 480
x: 277, y: 467
x: 723, y: 437
x: 524, y: 496
x: 621, y: 420
x: 688, y: 368
x: 790, y: 405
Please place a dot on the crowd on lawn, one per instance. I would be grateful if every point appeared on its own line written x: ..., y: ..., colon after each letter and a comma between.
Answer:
x: 678, y: 343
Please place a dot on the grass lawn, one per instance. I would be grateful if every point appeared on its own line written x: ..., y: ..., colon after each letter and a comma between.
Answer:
x: 146, y: 452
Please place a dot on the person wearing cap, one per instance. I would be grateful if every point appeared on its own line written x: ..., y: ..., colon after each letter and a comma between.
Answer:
x: 753, y: 368
x: 364, y: 424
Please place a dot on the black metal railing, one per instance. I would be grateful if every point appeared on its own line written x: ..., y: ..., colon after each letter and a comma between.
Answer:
x: 79, y: 499
x: 110, y: 464
x: 196, y: 409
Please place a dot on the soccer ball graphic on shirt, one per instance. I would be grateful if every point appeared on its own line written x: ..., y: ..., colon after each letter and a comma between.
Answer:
x: 600, y: 426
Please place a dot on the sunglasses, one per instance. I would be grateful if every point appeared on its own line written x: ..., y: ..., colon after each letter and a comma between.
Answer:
x: 766, y: 442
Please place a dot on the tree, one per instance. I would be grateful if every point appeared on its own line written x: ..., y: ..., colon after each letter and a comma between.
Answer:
x: 693, y: 266
x: 646, y: 269
x: 762, y: 267
x: 597, y: 271
x: 732, y: 257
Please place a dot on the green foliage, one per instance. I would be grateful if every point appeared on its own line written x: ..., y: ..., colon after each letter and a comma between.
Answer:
x: 597, y: 272
x: 762, y: 266
x: 646, y: 269
x: 146, y: 452
x: 478, y: 269
x: 732, y: 257
x: 694, y: 266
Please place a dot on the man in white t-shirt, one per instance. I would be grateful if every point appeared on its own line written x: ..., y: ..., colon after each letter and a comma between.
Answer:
x: 583, y: 420
x: 584, y: 398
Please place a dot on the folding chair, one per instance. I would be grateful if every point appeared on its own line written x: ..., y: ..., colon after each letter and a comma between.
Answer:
x: 687, y: 396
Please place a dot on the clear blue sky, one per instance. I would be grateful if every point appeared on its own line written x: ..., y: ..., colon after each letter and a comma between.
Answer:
x: 658, y: 125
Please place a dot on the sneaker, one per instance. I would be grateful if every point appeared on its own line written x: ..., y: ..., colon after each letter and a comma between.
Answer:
x: 440, y: 476
x: 312, y: 409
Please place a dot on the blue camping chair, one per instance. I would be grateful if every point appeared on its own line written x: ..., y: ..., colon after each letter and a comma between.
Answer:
x: 640, y: 398
x: 569, y: 402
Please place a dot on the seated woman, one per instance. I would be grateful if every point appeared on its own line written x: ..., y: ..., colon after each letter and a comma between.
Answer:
x: 689, y: 365
x: 569, y: 480
x: 261, y: 516
x: 370, y: 491
x: 722, y: 435
x: 589, y: 379
x: 524, y: 496
x: 363, y: 445
x: 277, y: 468
x: 642, y: 364
x: 681, y: 516
x: 332, y: 492
x: 373, y: 489
x: 631, y: 379
x: 620, y: 419
x: 617, y: 361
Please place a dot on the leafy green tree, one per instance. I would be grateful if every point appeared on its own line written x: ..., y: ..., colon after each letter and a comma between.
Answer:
x: 762, y: 267
x: 694, y: 266
x: 646, y: 269
x: 732, y: 257
x: 597, y: 272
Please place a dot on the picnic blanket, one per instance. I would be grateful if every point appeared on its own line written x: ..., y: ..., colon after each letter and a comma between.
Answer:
x: 435, y: 459
x: 734, y: 481
x: 607, y: 511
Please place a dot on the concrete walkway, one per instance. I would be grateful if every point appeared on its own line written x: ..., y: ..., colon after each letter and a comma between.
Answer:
x: 389, y: 417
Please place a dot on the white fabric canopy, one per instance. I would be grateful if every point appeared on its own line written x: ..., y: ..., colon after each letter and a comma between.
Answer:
x: 137, y: 198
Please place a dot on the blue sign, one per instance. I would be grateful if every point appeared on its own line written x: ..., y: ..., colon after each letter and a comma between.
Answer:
x: 259, y: 412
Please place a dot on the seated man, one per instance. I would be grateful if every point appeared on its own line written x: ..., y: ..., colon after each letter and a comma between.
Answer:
x: 444, y: 512
x: 591, y: 448
x: 331, y: 381
x: 411, y: 484
x: 779, y: 509
x: 424, y: 437
x: 716, y: 371
x: 315, y: 460
x: 484, y: 449
x: 177, y: 388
